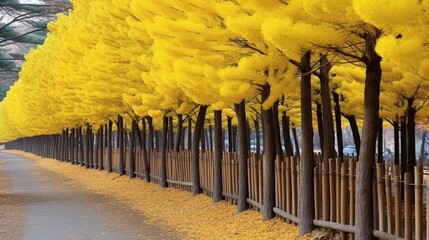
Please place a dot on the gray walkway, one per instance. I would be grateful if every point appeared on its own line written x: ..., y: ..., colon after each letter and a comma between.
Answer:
x: 42, y: 206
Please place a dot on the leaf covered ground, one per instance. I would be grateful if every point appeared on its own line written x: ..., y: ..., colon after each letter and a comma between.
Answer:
x: 193, y: 217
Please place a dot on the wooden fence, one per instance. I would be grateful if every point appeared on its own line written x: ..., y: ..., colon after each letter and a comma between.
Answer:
x: 400, y: 207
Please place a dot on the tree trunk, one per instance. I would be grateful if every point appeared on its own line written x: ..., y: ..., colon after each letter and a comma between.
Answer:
x: 121, y: 142
x: 365, y: 166
x: 339, y: 129
x: 411, y: 138
x: 286, y: 135
x: 355, y: 131
x: 101, y: 147
x: 328, y: 122
x: 210, y: 142
x: 164, y: 152
x: 258, y: 137
x: 269, y: 158
x: 423, y: 148
x: 131, y: 156
x: 88, y: 141
x: 217, y: 188
x: 203, y: 141
x: 170, y: 134
x: 81, y: 148
x: 380, y: 141
x: 295, y: 137
x: 305, y: 197
x: 320, y: 126
x: 72, y: 146
x: 179, y: 132
x: 109, y: 147
x: 145, y: 152
x: 276, y: 125
x: 199, y: 127
x: 396, y: 141
x: 403, y: 146
x: 243, y: 191
x: 189, y: 133
x: 230, y: 144
x: 151, y: 138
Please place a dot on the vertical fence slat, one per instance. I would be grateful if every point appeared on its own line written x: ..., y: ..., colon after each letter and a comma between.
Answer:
x: 418, y: 179
x: 397, y: 180
x: 407, y: 205
x: 381, y: 196
x: 389, y: 203
x: 325, y: 192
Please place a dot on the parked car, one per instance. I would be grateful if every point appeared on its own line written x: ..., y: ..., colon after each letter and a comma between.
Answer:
x: 350, y: 150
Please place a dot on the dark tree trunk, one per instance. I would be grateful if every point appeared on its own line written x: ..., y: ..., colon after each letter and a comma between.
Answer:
x: 199, y: 127
x: 295, y: 137
x: 72, y: 145
x: 179, y: 132
x: 269, y: 158
x: 109, y: 146
x: 380, y: 141
x: 403, y: 146
x: 258, y: 136
x: 411, y: 138
x: 320, y: 125
x: 276, y: 124
x: 131, y: 156
x: 203, y: 141
x: 243, y: 191
x: 396, y: 141
x: 286, y: 135
x: 230, y: 144
x: 189, y: 133
x: 170, y: 134
x: 234, y: 138
x: 210, y: 142
x: 121, y: 142
x: 88, y: 141
x: 145, y: 152
x: 305, y: 197
x: 328, y: 122
x: 101, y: 147
x: 423, y: 148
x: 217, y: 188
x: 355, y: 131
x: 81, y: 147
x: 365, y: 166
x: 164, y: 152
x: 339, y: 129
x: 151, y: 137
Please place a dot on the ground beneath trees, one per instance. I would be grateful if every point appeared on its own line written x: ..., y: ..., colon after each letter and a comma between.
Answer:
x: 101, y: 205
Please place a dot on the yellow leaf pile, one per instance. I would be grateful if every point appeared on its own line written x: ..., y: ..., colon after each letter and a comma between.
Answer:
x: 194, y: 217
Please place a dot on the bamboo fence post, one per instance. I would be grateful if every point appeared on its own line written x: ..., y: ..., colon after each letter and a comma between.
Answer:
x: 397, y: 185
x: 325, y: 192
x: 418, y: 179
x: 352, y: 172
x: 316, y: 192
x: 332, y: 190
x: 294, y: 193
x: 260, y: 175
x: 427, y: 212
x: 338, y: 187
x: 277, y: 180
x: 343, y: 197
x: 407, y: 205
x: 283, y: 189
x: 389, y: 202
x: 381, y: 196
x: 288, y: 186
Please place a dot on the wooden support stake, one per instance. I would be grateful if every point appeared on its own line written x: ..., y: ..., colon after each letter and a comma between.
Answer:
x: 343, y: 199
x: 338, y: 188
x: 381, y: 196
x: 325, y: 192
x: 407, y: 205
x: 397, y: 185
x: 389, y: 203
x: 418, y: 180
x: 332, y: 190
x: 316, y: 193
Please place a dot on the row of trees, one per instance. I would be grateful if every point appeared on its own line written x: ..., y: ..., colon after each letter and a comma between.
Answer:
x: 22, y: 26
x: 234, y: 62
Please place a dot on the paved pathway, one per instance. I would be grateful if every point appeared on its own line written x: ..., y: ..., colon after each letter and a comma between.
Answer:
x: 39, y: 206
